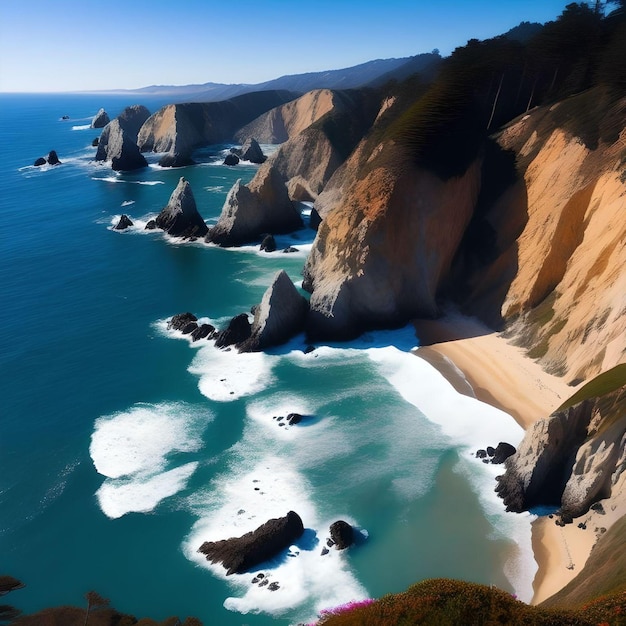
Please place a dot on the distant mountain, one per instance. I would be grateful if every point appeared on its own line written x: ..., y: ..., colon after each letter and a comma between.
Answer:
x: 347, y: 78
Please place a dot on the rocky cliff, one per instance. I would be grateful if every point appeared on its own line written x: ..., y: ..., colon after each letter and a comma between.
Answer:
x: 178, y: 129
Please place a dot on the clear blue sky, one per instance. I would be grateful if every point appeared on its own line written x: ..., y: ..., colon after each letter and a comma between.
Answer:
x: 73, y: 45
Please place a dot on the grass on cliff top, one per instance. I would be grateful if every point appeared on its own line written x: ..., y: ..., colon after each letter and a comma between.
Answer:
x: 451, y: 603
x: 601, y: 385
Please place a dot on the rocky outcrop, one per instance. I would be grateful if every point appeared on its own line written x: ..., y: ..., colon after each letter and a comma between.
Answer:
x: 287, y: 120
x: 181, y: 320
x: 278, y: 317
x: 118, y: 147
x: 231, y: 159
x: 51, y: 159
x: 178, y: 129
x: 237, y: 331
x: 341, y: 534
x: 123, y: 223
x: 100, y: 119
x: 180, y: 218
x: 241, y: 554
x: 381, y: 252
x: 575, y: 457
x: 251, y: 151
x: 132, y: 118
x: 262, y: 206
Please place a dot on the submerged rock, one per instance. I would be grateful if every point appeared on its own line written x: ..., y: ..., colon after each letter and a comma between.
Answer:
x: 180, y: 218
x: 241, y: 554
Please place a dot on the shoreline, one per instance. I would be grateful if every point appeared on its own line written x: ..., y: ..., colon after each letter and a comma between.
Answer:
x: 480, y: 363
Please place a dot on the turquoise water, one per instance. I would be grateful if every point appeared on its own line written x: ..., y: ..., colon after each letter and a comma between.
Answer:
x: 123, y: 447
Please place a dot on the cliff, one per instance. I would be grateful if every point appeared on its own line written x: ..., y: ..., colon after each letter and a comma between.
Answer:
x: 178, y: 129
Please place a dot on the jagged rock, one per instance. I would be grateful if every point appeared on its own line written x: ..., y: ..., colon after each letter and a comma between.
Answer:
x: 132, y: 118
x: 100, y: 119
x: 231, y: 159
x: 262, y: 206
x: 241, y: 554
x: 39, y: 162
x: 188, y: 328
x: 53, y: 158
x: 238, y: 331
x: 123, y: 223
x: 502, y: 453
x: 268, y: 244
x: 342, y: 534
x: 274, y: 586
x: 204, y: 331
x: 280, y: 315
x: 117, y: 146
x: 180, y: 218
x: 151, y: 225
x: 180, y: 320
x: 289, y: 250
x: 481, y: 454
x: 251, y: 151
x: 294, y: 418
x: 490, y: 451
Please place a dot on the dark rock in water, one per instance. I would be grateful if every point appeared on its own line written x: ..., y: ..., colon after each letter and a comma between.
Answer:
x: 263, y: 583
x: 502, y: 453
x: 279, y: 317
x: 238, y: 330
x: 241, y: 554
x: 40, y: 161
x: 151, y: 225
x: 481, y: 454
x: 274, y: 586
x: 53, y: 158
x: 120, y: 148
x: 100, y: 120
x: 251, y: 151
x: 342, y: 534
x: 95, y: 142
x: 294, y: 418
x: 268, y: 244
x: 324, y: 551
x: 204, y: 331
x: 180, y: 218
x: 65, y: 117
x: 309, y: 349
x: 490, y: 450
x: 290, y: 249
x: 189, y: 328
x: 123, y: 223
x: 231, y: 159
x: 314, y: 220
x: 180, y: 320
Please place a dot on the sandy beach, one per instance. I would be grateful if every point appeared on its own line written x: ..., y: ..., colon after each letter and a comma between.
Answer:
x: 481, y: 363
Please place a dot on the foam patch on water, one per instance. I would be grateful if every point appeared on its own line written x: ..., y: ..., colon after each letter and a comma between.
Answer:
x: 82, y: 127
x: 115, y: 179
x: 226, y: 375
x: 141, y: 495
x: 128, y: 202
x: 244, y: 499
x: 134, y: 450
x: 469, y: 425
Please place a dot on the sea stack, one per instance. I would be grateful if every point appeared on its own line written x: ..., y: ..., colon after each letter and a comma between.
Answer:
x: 180, y: 218
x: 100, y: 119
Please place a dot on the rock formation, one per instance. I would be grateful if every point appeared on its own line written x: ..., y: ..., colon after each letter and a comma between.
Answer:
x: 574, y: 458
x: 262, y: 206
x: 251, y: 151
x: 132, y: 118
x: 117, y: 146
x: 180, y: 218
x: 237, y: 331
x: 178, y: 129
x: 241, y: 554
x: 51, y: 159
x: 341, y: 534
x: 231, y: 160
x: 100, y: 119
x: 181, y: 320
x: 123, y: 223
x: 279, y: 317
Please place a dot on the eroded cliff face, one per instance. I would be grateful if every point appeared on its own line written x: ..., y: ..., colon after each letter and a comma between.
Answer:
x: 288, y: 120
x: 385, y: 244
x: 562, y: 239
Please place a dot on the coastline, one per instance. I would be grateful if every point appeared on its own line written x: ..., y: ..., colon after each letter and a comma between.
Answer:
x: 480, y: 363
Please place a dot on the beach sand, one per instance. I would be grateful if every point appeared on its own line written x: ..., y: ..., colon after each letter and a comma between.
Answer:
x: 481, y: 363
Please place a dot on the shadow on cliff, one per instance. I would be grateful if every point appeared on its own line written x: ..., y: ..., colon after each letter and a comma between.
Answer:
x: 487, y: 260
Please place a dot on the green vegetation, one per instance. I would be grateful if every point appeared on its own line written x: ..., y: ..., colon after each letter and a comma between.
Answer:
x: 601, y: 385
x: 451, y: 603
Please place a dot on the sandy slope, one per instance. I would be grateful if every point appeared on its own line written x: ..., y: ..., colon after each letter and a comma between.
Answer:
x: 484, y: 364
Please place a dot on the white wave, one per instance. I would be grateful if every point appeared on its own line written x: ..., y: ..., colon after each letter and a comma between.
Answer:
x: 83, y: 127
x: 140, y: 439
x: 215, y: 188
x: 226, y: 375
x: 128, y: 202
x: 133, y: 449
x: 115, y: 179
x: 242, y: 500
x: 141, y: 495
x: 469, y: 425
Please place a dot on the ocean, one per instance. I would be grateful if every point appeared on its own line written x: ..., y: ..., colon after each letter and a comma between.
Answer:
x: 124, y: 446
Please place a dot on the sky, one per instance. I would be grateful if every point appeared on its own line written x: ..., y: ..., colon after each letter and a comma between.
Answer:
x: 85, y: 45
